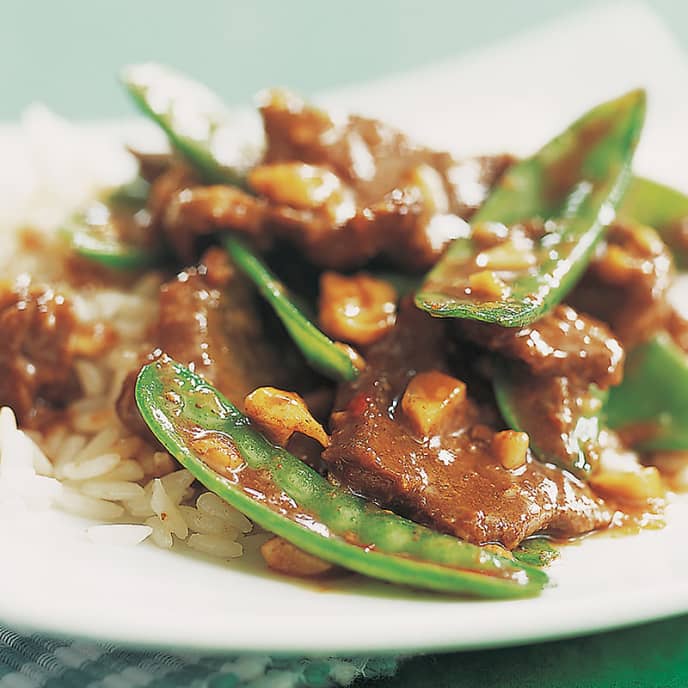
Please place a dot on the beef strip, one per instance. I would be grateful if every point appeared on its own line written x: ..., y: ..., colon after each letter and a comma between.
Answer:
x: 627, y: 282
x: 562, y: 343
x: 36, y: 350
x: 201, y: 210
x: 209, y: 320
x: 555, y: 410
x: 152, y: 165
x: 451, y: 480
x: 385, y: 195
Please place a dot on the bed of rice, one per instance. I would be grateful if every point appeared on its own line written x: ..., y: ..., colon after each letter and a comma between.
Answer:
x: 90, y: 465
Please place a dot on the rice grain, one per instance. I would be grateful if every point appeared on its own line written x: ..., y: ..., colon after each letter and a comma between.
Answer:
x: 211, y: 504
x: 200, y: 522
x: 167, y: 510
x: 81, y: 505
x: 112, y: 490
x: 90, y: 468
x: 98, y: 444
x: 160, y: 533
x: 215, y: 545
x: 128, y: 470
x: 177, y: 483
x: 69, y: 448
x: 90, y: 377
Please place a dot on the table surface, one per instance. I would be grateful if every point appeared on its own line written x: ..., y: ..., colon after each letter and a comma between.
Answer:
x: 66, y: 55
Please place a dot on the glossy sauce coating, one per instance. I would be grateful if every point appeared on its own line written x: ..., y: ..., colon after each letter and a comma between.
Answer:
x: 451, y: 479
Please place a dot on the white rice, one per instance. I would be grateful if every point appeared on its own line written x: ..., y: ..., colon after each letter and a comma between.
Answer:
x: 113, y: 490
x: 216, y: 546
x: 89, y: 468
x: 90, y: 465
x: 211, y: 504
x: 166, y: 510
x: 73, y: 501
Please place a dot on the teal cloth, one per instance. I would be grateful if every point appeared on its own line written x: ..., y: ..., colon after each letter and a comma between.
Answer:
x: 32, y: 661
x: 650, y: 656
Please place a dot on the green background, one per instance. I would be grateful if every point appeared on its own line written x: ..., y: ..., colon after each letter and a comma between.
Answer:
x: 67, y: 53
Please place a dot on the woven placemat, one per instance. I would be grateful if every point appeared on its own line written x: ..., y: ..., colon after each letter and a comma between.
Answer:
x: 32, y: 661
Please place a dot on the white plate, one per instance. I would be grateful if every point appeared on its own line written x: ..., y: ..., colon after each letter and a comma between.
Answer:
x: 512, y: 96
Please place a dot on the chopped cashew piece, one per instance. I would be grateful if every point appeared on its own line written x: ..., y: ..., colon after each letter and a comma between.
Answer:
x: 511, y: 448
x: 296, y: 184
x: 221, y: 456
x: 487, y: 283
x: 284, y: 557
x: 488, y: 234
x: 280, y: 414
x: 637, y: 484
x: 621, y: 476
x: 506, y: 256
x: 359, y: 309
x: 429, y: 397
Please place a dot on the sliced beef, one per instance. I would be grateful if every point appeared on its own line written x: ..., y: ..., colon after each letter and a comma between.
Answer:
x: 342, y: 191
x: 216, y: 330
x: 370, y: 156
x: 152, y: 165
x: 562, y: 343
x: 626, y: 284
x: 560, y: 414
x: 450, y: 480
x: 192, y: 213
x: 209, y: 320
x: 36, y: 350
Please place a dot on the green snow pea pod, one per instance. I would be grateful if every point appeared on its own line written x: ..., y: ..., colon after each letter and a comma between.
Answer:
x: 222, y: 449
x: 569, y: 437
x: 536, y: 551
x: 575, y: 183
x: 318, y: 349
x: 663, y: 208
x: 109, y: 232
x: 650, y: 406
x: 195, y: 120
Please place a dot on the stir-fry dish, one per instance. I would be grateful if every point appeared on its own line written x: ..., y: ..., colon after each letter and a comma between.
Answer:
x: 425, y: 369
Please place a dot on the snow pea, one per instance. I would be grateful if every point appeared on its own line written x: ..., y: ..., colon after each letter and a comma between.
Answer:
x: 536, y: 551
x: 107, y: 231
x: 523, y: 401
x: 222, y: 449
x: 660, y: 207
x: 650, y: 406
x: 318, y: 349
x: 196, y: 122
x: 574, y: 182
